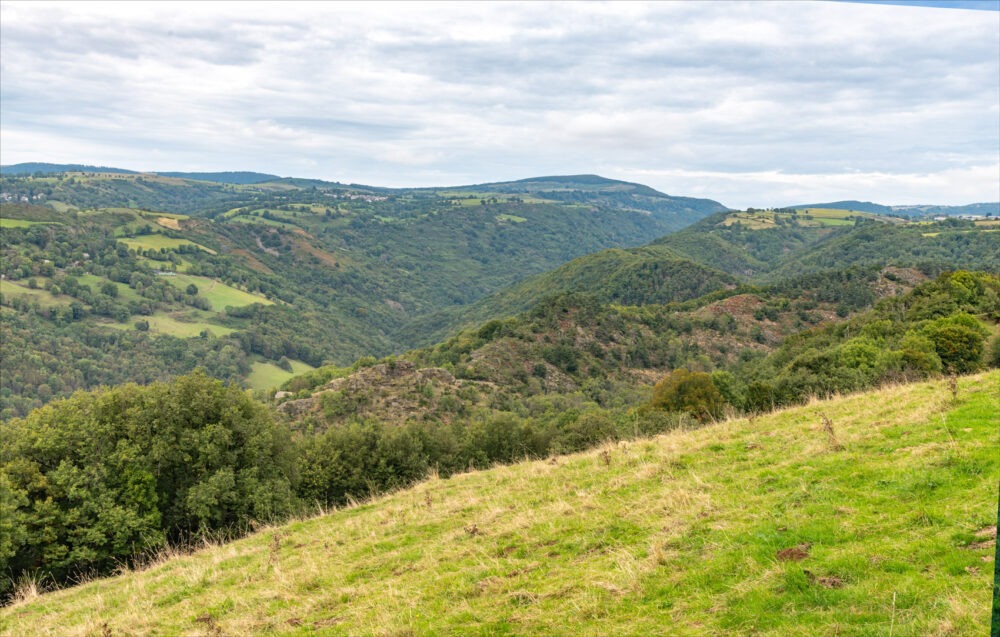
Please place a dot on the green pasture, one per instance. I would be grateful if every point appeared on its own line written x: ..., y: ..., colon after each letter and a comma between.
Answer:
x: 95, y: 282
x: 265, y: 375
x: 246, y: 218
x: 23, y: 223
x: 160, y: 241
x: 862, y: 516
x: 11, y: 289
x: 218, y: 294
x: 510, y: 218
x: 181, y: 326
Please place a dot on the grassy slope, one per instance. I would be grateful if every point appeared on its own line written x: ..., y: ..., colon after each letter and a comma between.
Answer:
x: 679, y: 534
x: 266, y: 375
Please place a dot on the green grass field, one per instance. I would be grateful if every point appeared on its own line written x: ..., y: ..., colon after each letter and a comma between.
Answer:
x: 60, y: 206
x: 807, y: 217
x: 510, y: 218
x: 172, y: 325
x: 266, y: 375
x: 11, y: 289
x: 218, y: 294
x: 95, y: 282
x: 262, y: 221
x: 861, y: 516
x: 152, y: 214
x: 23, y: 223
x: 475, y: 198
x: 158, y: 241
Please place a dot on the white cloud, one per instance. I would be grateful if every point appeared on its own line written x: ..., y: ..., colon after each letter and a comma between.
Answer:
x: 951, y: 186
x: 746, y: 103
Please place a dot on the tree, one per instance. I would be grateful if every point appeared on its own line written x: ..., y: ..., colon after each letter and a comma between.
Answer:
x: 686, y: 391
x: 110, y: 289
x: 92, y: 480
x: 958, y: 341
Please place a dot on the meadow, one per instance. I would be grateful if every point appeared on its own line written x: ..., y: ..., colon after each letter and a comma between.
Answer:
x: 160, y: 242
x: 22, y: 223
x: 218, y: 294
x: 267, y: 375
x: 871, y: 514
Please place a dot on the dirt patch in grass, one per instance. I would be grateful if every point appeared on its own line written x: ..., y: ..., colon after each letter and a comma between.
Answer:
x: 324, y: 257
x: 828, y: 581
x: 167, y: 222
x: 794, y: 553
x: 253, y: 262
x: 987, y: 537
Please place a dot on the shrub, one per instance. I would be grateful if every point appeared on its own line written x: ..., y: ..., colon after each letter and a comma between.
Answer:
x: 691, y: 392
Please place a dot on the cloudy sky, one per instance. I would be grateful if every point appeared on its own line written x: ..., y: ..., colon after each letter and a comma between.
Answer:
x: 751, y: 104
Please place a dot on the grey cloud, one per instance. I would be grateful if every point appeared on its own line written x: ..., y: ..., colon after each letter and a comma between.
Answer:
x: 463, y: 91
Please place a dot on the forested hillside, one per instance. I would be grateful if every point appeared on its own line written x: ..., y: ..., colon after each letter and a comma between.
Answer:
x: 761, y: 348
x: 257, y: 281
x: 748, y: 247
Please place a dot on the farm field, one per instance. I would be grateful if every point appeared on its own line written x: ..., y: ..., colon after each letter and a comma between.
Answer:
x: 218, y: 294
x: 23, y: 223
x: 160, y: 241
x: 806, y: 217
x: 44, y: 298
x: 95, y: 282
x: 171, y: 325
x: 265, y: 375
x: 248, y: 218
x: 510, y: 218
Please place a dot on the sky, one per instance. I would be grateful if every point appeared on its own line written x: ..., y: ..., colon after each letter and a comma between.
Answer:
x: 753, y: 104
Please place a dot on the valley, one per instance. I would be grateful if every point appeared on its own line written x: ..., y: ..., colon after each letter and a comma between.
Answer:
x: 191, y: 361
x: 237, y: 277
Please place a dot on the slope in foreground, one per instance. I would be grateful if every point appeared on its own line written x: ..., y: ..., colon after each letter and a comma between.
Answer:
x: 843, y: 517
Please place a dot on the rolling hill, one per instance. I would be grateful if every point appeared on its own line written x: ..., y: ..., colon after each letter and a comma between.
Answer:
x: 30, y: 168
x: 764, y: 346
x: 868, y: 514
x: 731, y: 248
x: 910, y: 210
x: 338, y: 271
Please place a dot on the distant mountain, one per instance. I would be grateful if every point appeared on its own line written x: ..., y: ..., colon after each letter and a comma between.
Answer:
x: 981, y: 209
x: 229, y: 177
x: 916, y: 210
x: 850, y: 204
x: 594, y: 189
x: 569, y: 182
x: 41, y: 167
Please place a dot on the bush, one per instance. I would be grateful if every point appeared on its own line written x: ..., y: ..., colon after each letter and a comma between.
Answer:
x: 691, y: 392
x: 958, y: 341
